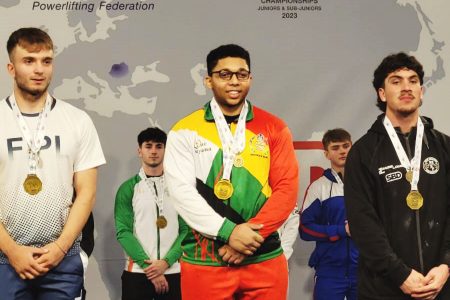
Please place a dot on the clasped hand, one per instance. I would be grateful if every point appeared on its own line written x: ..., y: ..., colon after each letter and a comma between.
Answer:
x: 426, y: 287
x: 31, y: 262
x: 243, y: 241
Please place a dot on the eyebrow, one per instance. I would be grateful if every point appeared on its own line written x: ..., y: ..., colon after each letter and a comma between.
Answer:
x: 34, y: 58
x: 228, y: 70
x: 153, y: 143
x: 341, y: 144
x: 401, y: 77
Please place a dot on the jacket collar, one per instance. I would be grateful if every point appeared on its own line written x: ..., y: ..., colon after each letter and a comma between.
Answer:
x: 378, y: 126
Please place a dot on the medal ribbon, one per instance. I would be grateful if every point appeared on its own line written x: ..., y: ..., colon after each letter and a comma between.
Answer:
x: 34, y: 142
x: 414, y: 164
x: 231, y: 145
x: 152, y: 183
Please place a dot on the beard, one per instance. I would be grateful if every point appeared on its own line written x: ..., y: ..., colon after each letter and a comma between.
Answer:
x: 35, y: 93
x: 409, y: 111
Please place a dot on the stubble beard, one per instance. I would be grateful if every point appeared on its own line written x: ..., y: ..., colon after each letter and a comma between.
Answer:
x: 33, y: 93
x: 409, y: 111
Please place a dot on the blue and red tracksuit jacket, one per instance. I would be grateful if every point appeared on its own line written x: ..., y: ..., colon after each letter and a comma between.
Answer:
x: 322, y: 219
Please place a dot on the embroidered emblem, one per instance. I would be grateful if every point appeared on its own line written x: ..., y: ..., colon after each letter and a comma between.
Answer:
x: 259, y: 146
x: 431, y: 165
x: 393, y: 176
x: 201, y: 146
x: 383, y: 170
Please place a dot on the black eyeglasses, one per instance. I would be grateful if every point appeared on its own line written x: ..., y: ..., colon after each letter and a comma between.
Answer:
x: 241, y: 75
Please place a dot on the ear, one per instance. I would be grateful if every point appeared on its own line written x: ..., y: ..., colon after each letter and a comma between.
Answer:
x: 208, y: 81
x: 325, y: 153
x: 139, y: 152
x: 382, y: 94
x: 422, y: 91
x: 11, y: 69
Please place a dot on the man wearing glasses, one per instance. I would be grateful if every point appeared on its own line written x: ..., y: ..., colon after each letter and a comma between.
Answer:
x: 232, y: 173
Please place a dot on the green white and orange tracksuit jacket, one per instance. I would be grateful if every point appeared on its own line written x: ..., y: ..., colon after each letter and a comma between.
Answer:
x: 135, y: 214
x: 265, y: 188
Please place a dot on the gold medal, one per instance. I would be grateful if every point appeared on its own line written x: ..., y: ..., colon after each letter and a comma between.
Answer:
x: 414, y: 200
x: 409, y: 175
x: 223, y: 189
x: 238, y: 161
x: 161, y: 222
x: 32, y: 184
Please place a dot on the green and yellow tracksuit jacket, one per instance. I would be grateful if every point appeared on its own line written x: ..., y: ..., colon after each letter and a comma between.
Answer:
x: 265, y: 187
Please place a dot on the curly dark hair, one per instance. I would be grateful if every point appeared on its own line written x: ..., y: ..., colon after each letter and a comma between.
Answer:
x: 391, y: 64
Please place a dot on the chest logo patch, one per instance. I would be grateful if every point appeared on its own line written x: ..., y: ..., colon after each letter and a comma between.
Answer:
x: 201, y: 146
x: 431, y: 165
x: 393, y: 176
x: 259, y: 146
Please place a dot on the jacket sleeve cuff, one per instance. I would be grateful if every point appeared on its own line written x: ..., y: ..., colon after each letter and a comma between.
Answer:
x: 446, y: 258
x: 225, y: 230
x: 142, y: 264
x: 170, y: 260
x: 400, y: 274
x: 333, y: 233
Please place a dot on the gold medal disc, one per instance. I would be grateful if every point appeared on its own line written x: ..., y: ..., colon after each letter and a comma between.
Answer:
x: 409, y: 175
x: 223, y: 189
x: 32, y: 184
x: 161, y: 222
x: 238, y: 161
x: 414, y: 200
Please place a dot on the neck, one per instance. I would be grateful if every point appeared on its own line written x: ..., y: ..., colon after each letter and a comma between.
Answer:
x: 28, y: 103
x: 405, y: 122
x: 338, y: 170
x: 153, y: 171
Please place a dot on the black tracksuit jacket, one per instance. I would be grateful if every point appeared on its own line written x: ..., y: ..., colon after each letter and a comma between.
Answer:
x: 392, y: 238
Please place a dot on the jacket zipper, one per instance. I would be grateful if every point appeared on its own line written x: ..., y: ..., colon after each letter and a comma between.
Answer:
x: 158, y: 244
x: 417, y: 214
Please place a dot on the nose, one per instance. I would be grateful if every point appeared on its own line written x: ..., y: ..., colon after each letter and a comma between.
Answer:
x: 38, y: 68
x: 234, y: 80
x: 406, y: 85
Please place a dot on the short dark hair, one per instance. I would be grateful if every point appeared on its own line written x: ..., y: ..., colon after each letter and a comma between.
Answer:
x: 335, y: 135
x: 230, y: 50
x: 391, y: 64
x: 30, y: 38
x: 152, y: 134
